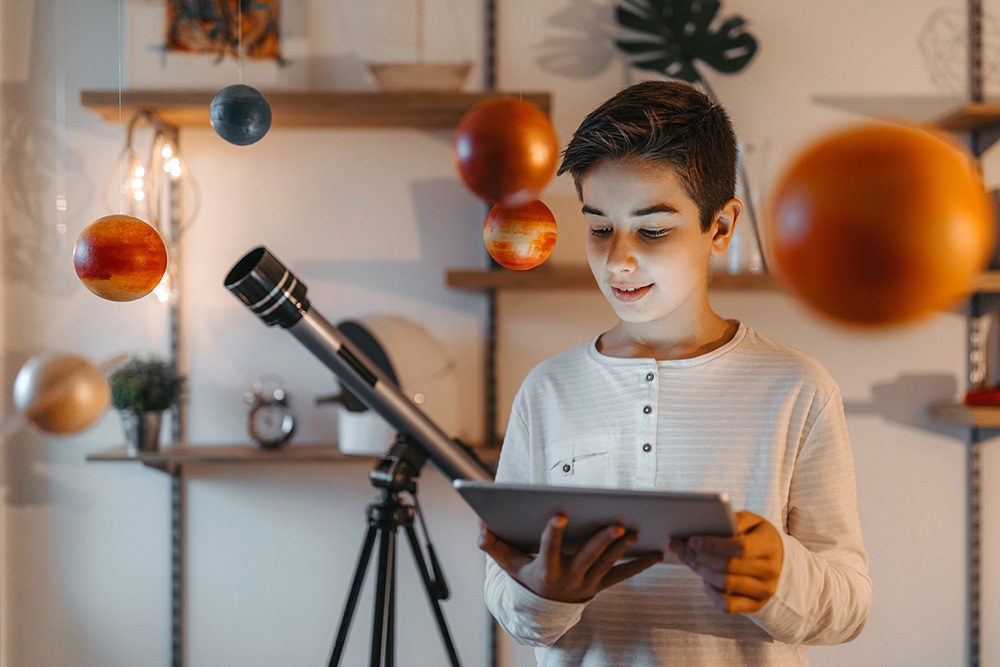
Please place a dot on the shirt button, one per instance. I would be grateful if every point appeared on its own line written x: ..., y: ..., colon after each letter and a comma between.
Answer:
x: 650, y: 377
x: 566, y: 468
x: 647, y: 409
x: 647, y: 448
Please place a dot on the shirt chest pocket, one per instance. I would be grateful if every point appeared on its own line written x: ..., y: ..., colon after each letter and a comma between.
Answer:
x: 580, y: 463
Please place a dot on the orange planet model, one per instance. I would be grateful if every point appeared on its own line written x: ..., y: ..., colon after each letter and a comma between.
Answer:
x: 506, y: 151
x: 880, y: 224
x: 120, y: 258
x: 61, y: 393
x: 520, y: 237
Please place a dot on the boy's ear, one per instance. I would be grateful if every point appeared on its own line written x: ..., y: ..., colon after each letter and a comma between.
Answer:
x: 724, y: 225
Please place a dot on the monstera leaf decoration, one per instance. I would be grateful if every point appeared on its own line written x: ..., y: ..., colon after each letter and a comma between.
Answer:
x: 678, y: 32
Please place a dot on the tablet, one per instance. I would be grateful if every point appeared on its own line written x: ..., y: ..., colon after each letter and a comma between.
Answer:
x: 517, y: 513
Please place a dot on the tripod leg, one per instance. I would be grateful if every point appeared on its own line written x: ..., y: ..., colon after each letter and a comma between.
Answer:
x: 352, y: 599
x: 418, y: 556
x: 390, y: 635
x: 381, y: 653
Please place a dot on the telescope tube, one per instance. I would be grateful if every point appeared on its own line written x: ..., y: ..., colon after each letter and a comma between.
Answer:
x: 277, y: 296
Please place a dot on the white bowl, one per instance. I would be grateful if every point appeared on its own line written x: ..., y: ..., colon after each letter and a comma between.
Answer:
x: 420, y: 76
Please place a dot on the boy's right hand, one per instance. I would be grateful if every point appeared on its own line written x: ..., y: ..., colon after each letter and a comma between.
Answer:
x: 575, y: 577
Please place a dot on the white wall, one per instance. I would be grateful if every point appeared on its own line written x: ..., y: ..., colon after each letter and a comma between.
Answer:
x: 270, y: 550
x: 370, y: 220
x: 911, y: 474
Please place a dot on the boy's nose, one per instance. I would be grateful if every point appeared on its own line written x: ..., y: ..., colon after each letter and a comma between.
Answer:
x: 621, y: 255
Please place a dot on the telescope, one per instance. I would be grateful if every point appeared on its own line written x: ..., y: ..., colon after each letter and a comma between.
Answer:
x: 278, y: 297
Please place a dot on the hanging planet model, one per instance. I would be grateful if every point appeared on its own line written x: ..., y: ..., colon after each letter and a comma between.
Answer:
x: 880, y: 224
x: 520, y: 237
x: 120, y: 258
x: 506, y: 150
x: 240, y: 114
x: 61, y: 393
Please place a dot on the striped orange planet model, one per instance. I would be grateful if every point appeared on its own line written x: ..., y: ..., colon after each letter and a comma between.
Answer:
x: 120, y: 258
x: 520, y: 237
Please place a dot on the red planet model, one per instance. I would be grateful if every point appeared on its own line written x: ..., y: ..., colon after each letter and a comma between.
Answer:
x: 120, y: 258
x: 506, y: 151
x: 520, y: 237
x: 880, y: 224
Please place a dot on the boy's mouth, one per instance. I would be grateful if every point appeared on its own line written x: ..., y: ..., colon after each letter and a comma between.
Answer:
x: 629, y: 294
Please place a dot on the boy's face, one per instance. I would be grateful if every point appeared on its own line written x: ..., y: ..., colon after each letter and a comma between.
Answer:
x: 645, y: 244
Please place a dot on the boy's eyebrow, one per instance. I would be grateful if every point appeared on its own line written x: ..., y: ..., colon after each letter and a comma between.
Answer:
x: 649, y: 210
x: 657, y: 208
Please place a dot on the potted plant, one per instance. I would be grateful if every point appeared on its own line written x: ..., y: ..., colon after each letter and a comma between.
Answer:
x: 142, y: 389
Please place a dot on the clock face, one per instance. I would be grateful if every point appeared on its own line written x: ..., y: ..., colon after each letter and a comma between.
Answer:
x: 271, y: 423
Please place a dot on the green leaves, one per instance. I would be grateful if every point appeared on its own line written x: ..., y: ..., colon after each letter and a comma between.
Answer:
x: 675, y: 33
x: 143, y: 385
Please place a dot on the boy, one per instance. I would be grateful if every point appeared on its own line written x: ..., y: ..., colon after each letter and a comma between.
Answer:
x: 675, y: 397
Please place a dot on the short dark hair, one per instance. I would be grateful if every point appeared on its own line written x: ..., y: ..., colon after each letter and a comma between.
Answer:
x: 670, y: 123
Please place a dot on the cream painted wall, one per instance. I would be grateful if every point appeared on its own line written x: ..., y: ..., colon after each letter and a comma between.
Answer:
x: 911, y: 471
x: 370, y: 220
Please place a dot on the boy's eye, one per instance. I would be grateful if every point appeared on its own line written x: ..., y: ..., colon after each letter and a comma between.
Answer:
x: 600, y: 231
x: 653, y: 233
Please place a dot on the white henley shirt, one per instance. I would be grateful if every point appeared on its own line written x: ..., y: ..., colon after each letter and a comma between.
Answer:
x: 755, y: 419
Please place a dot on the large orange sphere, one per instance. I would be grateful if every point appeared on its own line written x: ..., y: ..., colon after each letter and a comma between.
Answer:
x: 61, y: 393
x: 880, y: 224
x: 520, y: 237
x: 506, y: 151
x: 120, y: 258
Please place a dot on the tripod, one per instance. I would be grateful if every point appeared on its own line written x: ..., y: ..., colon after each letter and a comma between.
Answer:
x: 395, y: 473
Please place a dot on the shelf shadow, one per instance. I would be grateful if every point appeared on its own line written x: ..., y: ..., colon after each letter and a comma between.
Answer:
x: 907, y: 400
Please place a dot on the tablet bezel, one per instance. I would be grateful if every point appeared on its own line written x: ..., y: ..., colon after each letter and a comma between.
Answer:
x: 518, y: 513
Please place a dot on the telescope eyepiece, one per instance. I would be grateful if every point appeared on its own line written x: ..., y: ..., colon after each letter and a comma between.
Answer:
x: 268, y: 288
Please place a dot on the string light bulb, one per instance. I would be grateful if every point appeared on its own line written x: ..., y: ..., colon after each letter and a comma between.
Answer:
x: 144, y: 187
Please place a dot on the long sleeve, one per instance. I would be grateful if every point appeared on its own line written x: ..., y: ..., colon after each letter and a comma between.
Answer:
x: 824, y: 593
x: 755, y: 419
x: 528, y: 618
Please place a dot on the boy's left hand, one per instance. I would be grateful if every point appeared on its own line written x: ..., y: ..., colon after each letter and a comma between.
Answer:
x: 741, y: 572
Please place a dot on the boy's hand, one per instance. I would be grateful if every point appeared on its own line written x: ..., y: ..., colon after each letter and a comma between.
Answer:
x: 564, y: 577
x: 740, y: 573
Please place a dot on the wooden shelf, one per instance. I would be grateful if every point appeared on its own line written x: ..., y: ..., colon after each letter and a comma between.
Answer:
x: 947, y: 113
x: 170, y: 457
x: 174, y: 455
x: 573, y: 277
x: 579, y: 277
x: 971, y: 116
x: 966, y: 415
x: 189, y: 108
x: 988, y: 283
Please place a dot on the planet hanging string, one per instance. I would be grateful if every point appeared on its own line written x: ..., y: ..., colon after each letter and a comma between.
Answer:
x: 239, y: 113
x: 120, y: 257
x: 61, y: 226
x: 121, y: 124
x: 463, y: 41
x: 239, y: 40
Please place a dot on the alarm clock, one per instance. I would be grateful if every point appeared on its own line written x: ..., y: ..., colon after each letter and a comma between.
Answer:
x: 270, y: 421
